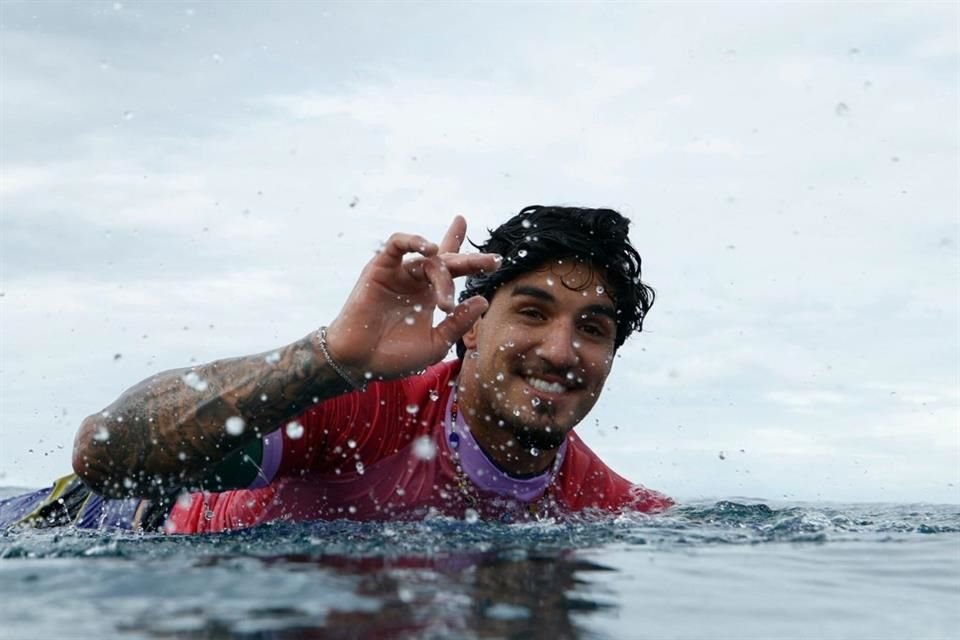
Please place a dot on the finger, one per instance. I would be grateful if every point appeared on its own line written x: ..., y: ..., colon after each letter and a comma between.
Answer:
x: 436, y: 272
x: 465, y: 264
x: 460, y: 320
x: 400, y: 244
x: 453, y: 238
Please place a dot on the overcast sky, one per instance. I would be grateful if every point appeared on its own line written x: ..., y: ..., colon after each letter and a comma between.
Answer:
x: 181, y: 182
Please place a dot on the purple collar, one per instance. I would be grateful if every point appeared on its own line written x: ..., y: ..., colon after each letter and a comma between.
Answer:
x: 481, y: 470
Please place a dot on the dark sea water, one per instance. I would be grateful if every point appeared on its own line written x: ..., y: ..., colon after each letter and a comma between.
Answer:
x: 720, y: 569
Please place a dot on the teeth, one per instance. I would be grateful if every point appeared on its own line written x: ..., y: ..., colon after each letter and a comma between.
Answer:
x: 547, y: 387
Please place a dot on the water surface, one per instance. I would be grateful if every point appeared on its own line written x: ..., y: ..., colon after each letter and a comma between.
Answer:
x: 727, y: 569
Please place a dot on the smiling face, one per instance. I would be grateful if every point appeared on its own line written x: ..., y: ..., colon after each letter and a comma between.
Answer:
x: 537, y: 360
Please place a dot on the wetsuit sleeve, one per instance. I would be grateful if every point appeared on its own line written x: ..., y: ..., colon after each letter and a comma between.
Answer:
x: 364, y: 427
x: 327, y: 433
x: 338, y: 433
x: 239, y: 470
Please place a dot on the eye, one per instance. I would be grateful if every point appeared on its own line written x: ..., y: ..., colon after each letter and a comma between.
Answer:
x: 532, y: 312
x: 594, y: 330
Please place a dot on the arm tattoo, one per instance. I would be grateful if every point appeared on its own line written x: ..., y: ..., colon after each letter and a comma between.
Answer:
x: 165, y: 432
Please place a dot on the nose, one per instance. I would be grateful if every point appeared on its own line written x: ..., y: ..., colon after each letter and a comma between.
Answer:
x: 558, y: 346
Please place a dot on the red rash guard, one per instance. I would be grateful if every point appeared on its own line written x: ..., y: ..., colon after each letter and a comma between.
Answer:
x: 384, y: 454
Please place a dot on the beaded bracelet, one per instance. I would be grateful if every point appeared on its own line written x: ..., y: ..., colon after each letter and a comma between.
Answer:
x: 322, y: 334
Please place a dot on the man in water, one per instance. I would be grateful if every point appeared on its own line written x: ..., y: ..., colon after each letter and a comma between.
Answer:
x: 361, y: 420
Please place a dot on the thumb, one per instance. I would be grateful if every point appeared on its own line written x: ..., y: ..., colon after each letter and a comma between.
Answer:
x: 459, y: 322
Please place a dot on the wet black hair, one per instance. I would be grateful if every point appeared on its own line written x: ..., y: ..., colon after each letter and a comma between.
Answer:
x: 596, y: 237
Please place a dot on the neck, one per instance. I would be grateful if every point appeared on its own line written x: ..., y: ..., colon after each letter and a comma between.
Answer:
x: 499, y: 442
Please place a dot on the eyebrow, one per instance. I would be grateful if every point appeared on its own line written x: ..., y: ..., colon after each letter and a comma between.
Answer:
x: 542, y: 294
x: 533, y: 292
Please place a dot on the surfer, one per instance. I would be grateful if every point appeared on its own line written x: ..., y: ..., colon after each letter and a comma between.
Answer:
x: 361, y: 419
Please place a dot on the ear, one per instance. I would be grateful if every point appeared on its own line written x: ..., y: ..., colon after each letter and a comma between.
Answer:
x: 470, y: 338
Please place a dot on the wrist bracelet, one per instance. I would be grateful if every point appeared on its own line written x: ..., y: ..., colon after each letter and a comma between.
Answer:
x: 322, y: 335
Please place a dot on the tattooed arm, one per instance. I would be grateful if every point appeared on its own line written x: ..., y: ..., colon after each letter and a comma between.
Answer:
x: 172, y: 429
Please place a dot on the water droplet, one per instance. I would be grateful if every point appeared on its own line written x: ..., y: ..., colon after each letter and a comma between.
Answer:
x: 535, y: 401
x: 412, y: 409
x: 294, y: 430
x: 471, y: 516
x: 526, y: 223
x: 409, y: 320
x: 499, y: 377
x: 522, y: 253
x: 368, y: 375
x: 272, y: 358
x: 352, y: 444
x: 184, y: 500
x: 360, y: 468
x: 571, y: 375
x: 549, y: 282
x: 424, y: 448
x: 192, y: 380
x: 128, y: 115
x: 102, y: 434
x: 599, y: 290
x: 418, y: 308
x: 534, y: 452
x: 841, y: 110
x: 128, y: 483
x: 577, y: 344
x: 235, y: 425
x: 263, y: 397
x: 722, y: 455
x: 434, y: 395
x: 182, y: 456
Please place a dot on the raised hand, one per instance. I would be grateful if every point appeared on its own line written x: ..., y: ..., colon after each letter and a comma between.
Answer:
x: 172, y: 429
x: 385, y: 330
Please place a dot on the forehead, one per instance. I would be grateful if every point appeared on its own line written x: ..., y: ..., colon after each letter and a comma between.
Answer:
x: 563, y: 279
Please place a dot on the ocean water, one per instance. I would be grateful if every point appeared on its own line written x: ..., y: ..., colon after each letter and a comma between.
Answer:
x: 720, y: 569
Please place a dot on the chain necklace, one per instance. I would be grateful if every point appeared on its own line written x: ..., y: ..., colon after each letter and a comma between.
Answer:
x: 467, y: 487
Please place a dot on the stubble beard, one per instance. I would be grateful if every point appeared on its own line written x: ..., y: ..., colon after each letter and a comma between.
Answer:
x: 542, y: 438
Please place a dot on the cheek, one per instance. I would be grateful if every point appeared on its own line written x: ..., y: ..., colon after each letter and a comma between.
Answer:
x: 599, y: 361
x: 512, y: 339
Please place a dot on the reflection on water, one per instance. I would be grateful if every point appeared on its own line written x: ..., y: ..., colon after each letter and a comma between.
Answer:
x: 463, y: 595
x: 511, y: 594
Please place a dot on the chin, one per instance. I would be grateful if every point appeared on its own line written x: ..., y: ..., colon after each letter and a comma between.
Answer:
x: 539, y: 438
